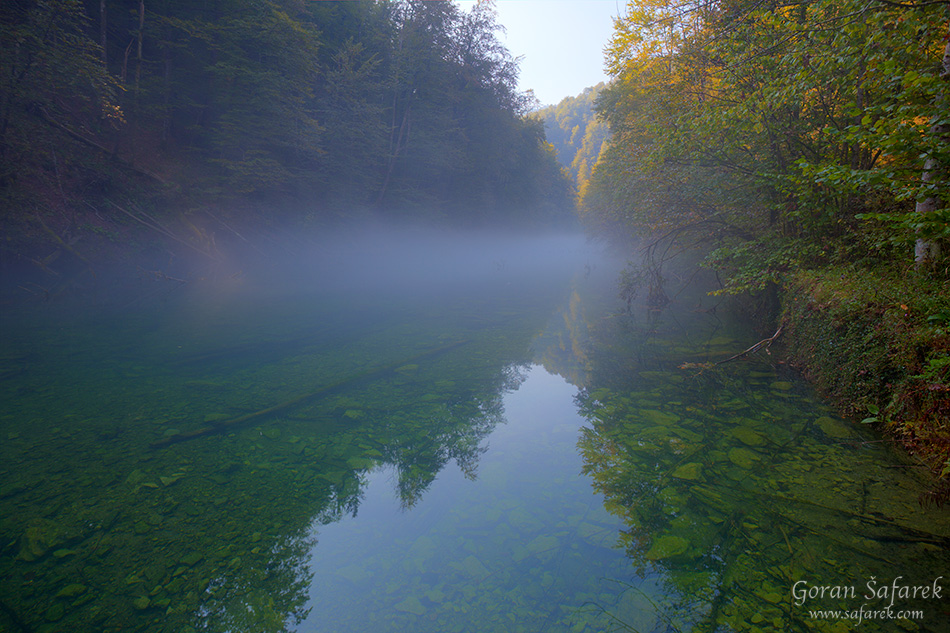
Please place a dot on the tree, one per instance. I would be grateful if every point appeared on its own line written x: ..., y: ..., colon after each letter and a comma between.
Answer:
x: 926, y: 251
x: 577, y: 133
x: 780, y: 124
x: 326, y: 108
x: 51, y: 71
x: 269, y: 135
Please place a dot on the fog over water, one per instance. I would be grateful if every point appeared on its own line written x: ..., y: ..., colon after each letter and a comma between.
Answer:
x: 411, y: 429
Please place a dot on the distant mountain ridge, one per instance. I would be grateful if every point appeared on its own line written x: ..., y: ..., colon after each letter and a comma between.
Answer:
x: 576, y: 133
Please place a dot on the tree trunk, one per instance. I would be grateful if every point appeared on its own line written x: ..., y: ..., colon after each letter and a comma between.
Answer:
x: 926, y: 252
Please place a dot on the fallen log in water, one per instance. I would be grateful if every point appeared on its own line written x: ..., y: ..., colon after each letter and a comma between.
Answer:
x: 293, y: 402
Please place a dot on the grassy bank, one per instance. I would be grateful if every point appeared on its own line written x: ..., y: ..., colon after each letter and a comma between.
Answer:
x: 877, y: 342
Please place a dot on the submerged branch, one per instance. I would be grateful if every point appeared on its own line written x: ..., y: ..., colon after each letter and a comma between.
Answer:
x: 767, y: 342
x: 298, y: 400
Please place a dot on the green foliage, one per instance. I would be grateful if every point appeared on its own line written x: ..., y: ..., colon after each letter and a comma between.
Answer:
x: 51, y: 71
x: 783, y: 121
x: 266, y: 134
x: 578, y: 135
x: 902, y: 228
x: 756, y: 264
x: 874, y: 410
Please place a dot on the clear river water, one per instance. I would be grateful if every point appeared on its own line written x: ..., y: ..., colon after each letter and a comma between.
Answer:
x: 439, y: 434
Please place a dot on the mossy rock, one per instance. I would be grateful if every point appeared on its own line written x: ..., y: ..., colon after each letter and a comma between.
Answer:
x: 666, y: 547
x: 747, y: 436
x: 542, y: 543
x: 171, y: 479
x: 71, y: 590
x: 692, y: 471
x: 743, y: 457
x: 435, y: 595
x: 661, y: 433
x: 410, y: 605
x: 660, y: 418
x: 39, y: 537
x: 473, y: 568
x: 834, y: 428
x: 55, y: 612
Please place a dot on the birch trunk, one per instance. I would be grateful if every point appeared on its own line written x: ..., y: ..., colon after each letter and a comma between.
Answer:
x: 927, y: 252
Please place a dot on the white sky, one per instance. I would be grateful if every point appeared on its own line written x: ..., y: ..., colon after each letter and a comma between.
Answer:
x: 561, y: 42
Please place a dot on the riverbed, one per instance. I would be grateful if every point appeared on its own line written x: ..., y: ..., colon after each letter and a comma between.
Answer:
x: 439, y: 433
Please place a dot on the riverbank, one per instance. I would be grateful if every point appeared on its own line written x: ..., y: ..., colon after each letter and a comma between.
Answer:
x: 877, y: 343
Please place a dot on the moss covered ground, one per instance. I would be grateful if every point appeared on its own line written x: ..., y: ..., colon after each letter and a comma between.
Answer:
x: 877, y: 341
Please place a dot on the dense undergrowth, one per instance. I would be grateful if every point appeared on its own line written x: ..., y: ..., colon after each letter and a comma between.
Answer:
x: 877, y: 341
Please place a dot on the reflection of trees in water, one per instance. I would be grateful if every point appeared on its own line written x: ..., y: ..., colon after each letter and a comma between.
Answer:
x: 733, y: 486
x: 416, y: 423
x: 214, y: 533
x: 268, y: 599
x: 563, y: 346
x: 442, y: 432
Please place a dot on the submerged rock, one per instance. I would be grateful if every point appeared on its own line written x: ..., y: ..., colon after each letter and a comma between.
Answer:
x: 435, y: 595
x: 71, y: 590
x: 171, y: 479
x: 40, y: 536
x: 667, y: 546
x: 690, y: 472
x: 597, y: 536
x: 834, y: 428
x: 55, y: 612
x: 743, y: 457
x: 747, y: 436
x: 543, y: 543
x: 660, y: 418
x: 473, y: 568
x: 135, y: 477
x: 411, y: 605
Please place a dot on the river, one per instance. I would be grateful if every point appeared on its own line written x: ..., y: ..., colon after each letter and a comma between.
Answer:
x: 423, y: 432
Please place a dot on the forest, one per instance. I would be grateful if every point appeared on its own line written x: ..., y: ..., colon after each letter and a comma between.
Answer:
x: 577, y: 133
x: 124, y: 122
x: 802, y: 148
